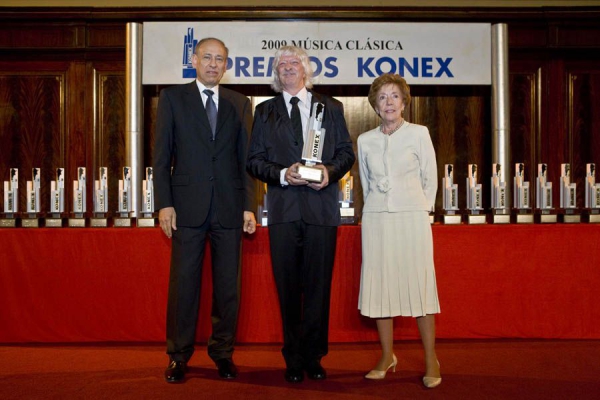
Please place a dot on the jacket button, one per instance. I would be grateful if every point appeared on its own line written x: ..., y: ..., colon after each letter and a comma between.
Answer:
x: 211, y: 178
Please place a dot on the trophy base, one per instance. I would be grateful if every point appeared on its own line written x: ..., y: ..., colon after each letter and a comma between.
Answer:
x: 476, y: 219
x: 8, y: 223
x: 570, y: 218
x: 500, y: 217
x: 592, y: 216
x: 347, y: 216
x: 311, y: 174
x: 30, y: 222
x: 547, y: 218
x: 146, y: 222
x: 452, y: 219
x: 76, y: 223
x: 98, y: 222
x: 524, y: 218
x: 54, y: 222
x: 121, y: 222
x: 264, y: 221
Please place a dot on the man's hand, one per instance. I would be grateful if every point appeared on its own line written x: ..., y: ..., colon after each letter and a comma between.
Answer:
x: 324, y: 182
x: 167, y: 219
x: 249, y: 222
x: 293, y: 177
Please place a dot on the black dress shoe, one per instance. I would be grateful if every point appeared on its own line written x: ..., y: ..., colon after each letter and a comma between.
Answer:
x: 227, y: 368
x: 314, y: 370
x: 294, y: 375
x: 175, y: 372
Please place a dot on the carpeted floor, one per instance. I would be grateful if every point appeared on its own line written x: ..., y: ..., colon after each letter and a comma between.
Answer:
x: 490, y: 369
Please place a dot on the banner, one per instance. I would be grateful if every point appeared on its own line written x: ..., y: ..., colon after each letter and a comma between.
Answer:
x: 341, y: 53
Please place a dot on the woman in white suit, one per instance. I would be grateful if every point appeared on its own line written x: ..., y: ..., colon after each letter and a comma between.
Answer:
x: 398, y: 173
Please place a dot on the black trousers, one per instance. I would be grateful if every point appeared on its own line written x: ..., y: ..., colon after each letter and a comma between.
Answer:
x: 302, y: 257
x: 187, y: 255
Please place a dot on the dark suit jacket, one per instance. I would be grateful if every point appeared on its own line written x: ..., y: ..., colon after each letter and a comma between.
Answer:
x: 272, y: 148
x: 183, y: 140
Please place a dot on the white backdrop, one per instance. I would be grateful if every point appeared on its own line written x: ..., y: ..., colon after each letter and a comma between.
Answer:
x: 341, y: 53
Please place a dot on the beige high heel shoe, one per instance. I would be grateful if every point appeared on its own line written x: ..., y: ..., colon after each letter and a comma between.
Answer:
x: 376, y: 374
x: 430, y: 381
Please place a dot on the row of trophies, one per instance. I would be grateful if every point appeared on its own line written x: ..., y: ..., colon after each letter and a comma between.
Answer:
x: 57, y: 215
x: 523, y: 211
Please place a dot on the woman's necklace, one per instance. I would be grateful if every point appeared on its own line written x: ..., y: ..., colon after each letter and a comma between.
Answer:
x: 393, y: 130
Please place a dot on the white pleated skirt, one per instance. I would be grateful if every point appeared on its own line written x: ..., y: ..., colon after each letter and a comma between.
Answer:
x: 398, y: 274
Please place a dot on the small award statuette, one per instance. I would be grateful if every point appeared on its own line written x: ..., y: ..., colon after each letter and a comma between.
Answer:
x: 543, y: 196
x: 57, y: 200
x: 450, y: 197
x: 77, y: 218
x: 100, y: 217
x: 592, y: 194
x: 522, y: 198
x: 11, y: 200
x: 313, y: 146
x: 500, y: 214
x: 33, y: 215
x: 568, y: 196
x: 262, y: 211
x: 147, y: 220
x: 123, y: 219
x: 474, y: 207
x: 347, y: 200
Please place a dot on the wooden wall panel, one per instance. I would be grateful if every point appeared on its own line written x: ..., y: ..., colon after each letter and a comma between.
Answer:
x: 525, y: 119
x: 32, y: 127
x: 584, y: 125
x: 109, y: 133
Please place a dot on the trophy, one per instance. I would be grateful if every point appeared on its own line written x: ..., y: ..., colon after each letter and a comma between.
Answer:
x: 543, y: 196
x: 474, y: 200
x: 147, y: 219
x: 592, y: 194
x: 124, y: 220
x: 568, y: 196
x: 57, y: 200
x: 347, y: 200
x: 450, y: 196
x: 313, y: 147
x: 498, y: 199
x: 11, y: 200
x: 521, y: 196
x: 32, y: 218
x: 99, y: 218
x: 262, y: 209
x: 77, y: 219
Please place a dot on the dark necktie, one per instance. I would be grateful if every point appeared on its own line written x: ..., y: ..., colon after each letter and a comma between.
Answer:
x: 211, y: 111
x: 296, y: 121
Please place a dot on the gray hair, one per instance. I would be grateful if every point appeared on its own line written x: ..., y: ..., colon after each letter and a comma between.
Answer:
x: 291, y: 51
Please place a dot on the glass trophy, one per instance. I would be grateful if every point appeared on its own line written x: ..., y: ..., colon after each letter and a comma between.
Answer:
x: 474, y: 197
x: 57, y: 200
x: 11, y: 200
x: 543, y: 196
x: 450, y: 197
x: 77, y: 218
x: 592, y: 194
x: 568, y: 196
x: 522, y: 196
x: 147, y: 220
x: 500, y: 213
x: 33, y: 215
x: 313, y: 146
x: 263, y: 213
x: 347, y: 200
x: 123, y: 218
x: 100, y: 217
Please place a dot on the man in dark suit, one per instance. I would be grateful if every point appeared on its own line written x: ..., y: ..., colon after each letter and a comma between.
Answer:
x: 202, y: 189
x: 303, y: 216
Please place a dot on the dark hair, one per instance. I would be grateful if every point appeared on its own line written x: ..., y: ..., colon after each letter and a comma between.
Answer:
x: 202, y: 41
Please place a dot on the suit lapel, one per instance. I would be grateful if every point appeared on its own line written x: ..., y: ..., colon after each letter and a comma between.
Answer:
x: 196, y: 107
